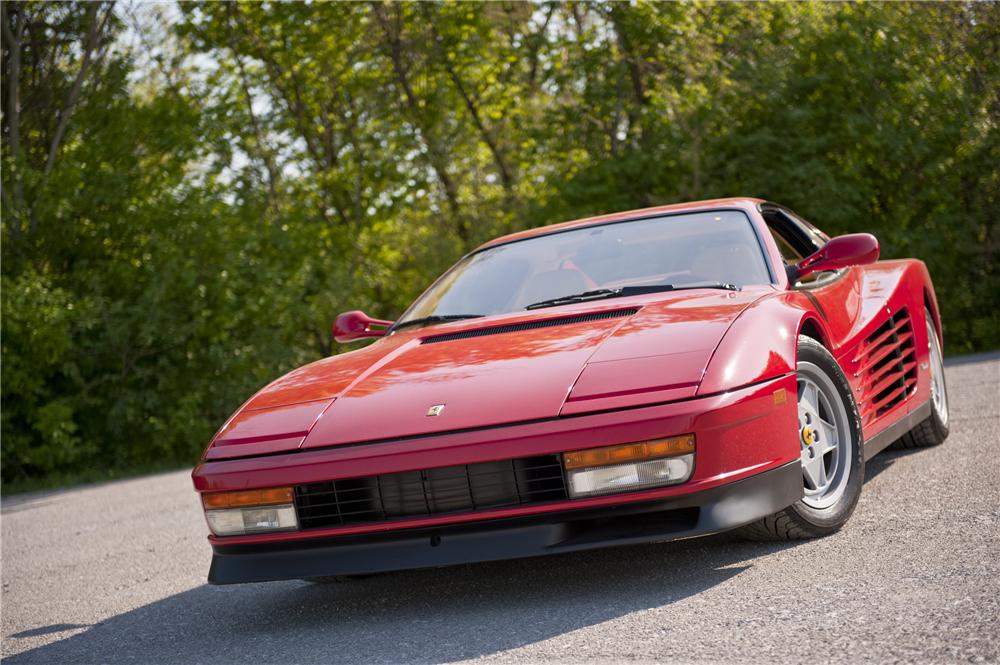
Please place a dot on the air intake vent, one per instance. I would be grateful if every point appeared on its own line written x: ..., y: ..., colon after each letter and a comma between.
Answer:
x: 888, y: 367
x: 531, y: 325
x: 453, y: 489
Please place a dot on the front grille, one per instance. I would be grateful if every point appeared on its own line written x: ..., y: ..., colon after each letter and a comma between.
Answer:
x: 887, y: 367
x: 532, y: 325
x: 452, y: 489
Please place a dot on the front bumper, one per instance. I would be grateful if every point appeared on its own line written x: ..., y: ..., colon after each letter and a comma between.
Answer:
x: 742, y: 461
x: 671, y: 518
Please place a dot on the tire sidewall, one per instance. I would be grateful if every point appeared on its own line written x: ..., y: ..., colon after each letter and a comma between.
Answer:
x: 832, y: 517
x: 941, y: 427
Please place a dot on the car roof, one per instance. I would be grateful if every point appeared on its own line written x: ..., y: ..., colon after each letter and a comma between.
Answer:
x: 693, y: 206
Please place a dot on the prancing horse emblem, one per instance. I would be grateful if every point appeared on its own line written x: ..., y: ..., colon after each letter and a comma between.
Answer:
x: 435, y: 410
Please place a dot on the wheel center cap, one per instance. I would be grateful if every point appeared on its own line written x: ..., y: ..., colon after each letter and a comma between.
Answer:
x: 808, y: 435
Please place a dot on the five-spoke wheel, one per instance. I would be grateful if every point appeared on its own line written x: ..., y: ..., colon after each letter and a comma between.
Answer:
x: 823, y: 437
x: 829, y: 436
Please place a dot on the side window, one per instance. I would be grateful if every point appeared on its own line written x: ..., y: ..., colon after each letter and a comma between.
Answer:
x: 796, y: 239
x: 788, y: 253
x: 817, y: 237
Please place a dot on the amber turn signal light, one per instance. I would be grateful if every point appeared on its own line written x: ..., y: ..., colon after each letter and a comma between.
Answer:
x: 266, y: 497
x: 629, y: 452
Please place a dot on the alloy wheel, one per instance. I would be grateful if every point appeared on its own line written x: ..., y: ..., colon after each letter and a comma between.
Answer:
x: 824, y: 437
x: 939, y: 396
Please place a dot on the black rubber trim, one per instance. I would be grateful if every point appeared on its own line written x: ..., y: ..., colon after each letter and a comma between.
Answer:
x: 683, y: 516
x: 886, y: 437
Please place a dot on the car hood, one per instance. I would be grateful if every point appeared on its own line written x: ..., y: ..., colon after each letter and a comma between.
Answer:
x: 487, y: 372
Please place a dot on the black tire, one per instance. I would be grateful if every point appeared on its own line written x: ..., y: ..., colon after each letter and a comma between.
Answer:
x: 932, y: 431
x: 799, y: 520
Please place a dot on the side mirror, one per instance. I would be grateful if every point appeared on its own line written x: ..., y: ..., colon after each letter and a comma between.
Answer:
x: 350, y: 326
x: 855, y: 249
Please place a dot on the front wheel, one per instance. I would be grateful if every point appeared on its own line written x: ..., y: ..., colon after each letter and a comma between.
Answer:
x: 830, y: 445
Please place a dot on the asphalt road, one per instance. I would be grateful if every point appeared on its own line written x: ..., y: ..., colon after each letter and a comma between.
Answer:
x: 115, y: 574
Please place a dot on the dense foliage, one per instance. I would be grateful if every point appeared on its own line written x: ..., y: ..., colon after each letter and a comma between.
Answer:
x: 191, y: 193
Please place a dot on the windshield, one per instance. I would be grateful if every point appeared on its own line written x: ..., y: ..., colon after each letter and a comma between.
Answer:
x: 706, y: 247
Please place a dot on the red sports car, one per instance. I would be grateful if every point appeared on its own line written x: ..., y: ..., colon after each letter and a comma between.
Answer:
x: 642, y: 376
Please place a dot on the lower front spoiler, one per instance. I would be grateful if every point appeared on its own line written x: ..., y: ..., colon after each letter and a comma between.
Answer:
x: 682, y: 516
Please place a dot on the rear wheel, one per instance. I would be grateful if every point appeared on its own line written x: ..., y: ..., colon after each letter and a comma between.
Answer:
x: 829, y: 433
x: 933, y: 430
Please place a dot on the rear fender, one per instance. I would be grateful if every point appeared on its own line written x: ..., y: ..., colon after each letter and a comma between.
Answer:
x: 930, y: 298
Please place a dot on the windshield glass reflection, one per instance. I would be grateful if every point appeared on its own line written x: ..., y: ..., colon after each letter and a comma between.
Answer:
x: 694, y: 248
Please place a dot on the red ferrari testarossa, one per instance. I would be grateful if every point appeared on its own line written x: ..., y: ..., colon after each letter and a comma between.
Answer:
x: 636, y: 377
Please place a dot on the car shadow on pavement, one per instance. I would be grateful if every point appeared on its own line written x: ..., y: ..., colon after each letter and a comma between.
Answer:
x: 424, y: 616
x: 884, y: 460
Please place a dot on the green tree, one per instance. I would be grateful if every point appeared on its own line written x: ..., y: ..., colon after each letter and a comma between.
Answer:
x: 191, y: 192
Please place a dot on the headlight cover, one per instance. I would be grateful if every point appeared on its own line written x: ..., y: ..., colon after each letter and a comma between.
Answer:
x: 629, y: 467
x: 250, y: 511
x: 241, y: 521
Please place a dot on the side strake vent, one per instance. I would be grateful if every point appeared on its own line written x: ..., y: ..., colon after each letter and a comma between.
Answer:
x: 888, y: 367
x: 531, y: 325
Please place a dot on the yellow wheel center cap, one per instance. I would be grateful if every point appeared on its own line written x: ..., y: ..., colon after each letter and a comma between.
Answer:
x: 808, y: 435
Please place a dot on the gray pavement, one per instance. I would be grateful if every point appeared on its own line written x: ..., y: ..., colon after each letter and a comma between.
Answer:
x: 114, y: 573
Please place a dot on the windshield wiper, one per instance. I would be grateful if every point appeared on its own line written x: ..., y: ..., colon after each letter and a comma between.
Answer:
x: 598, y: 294
x: 602, y: 294
x: 436, y: 318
